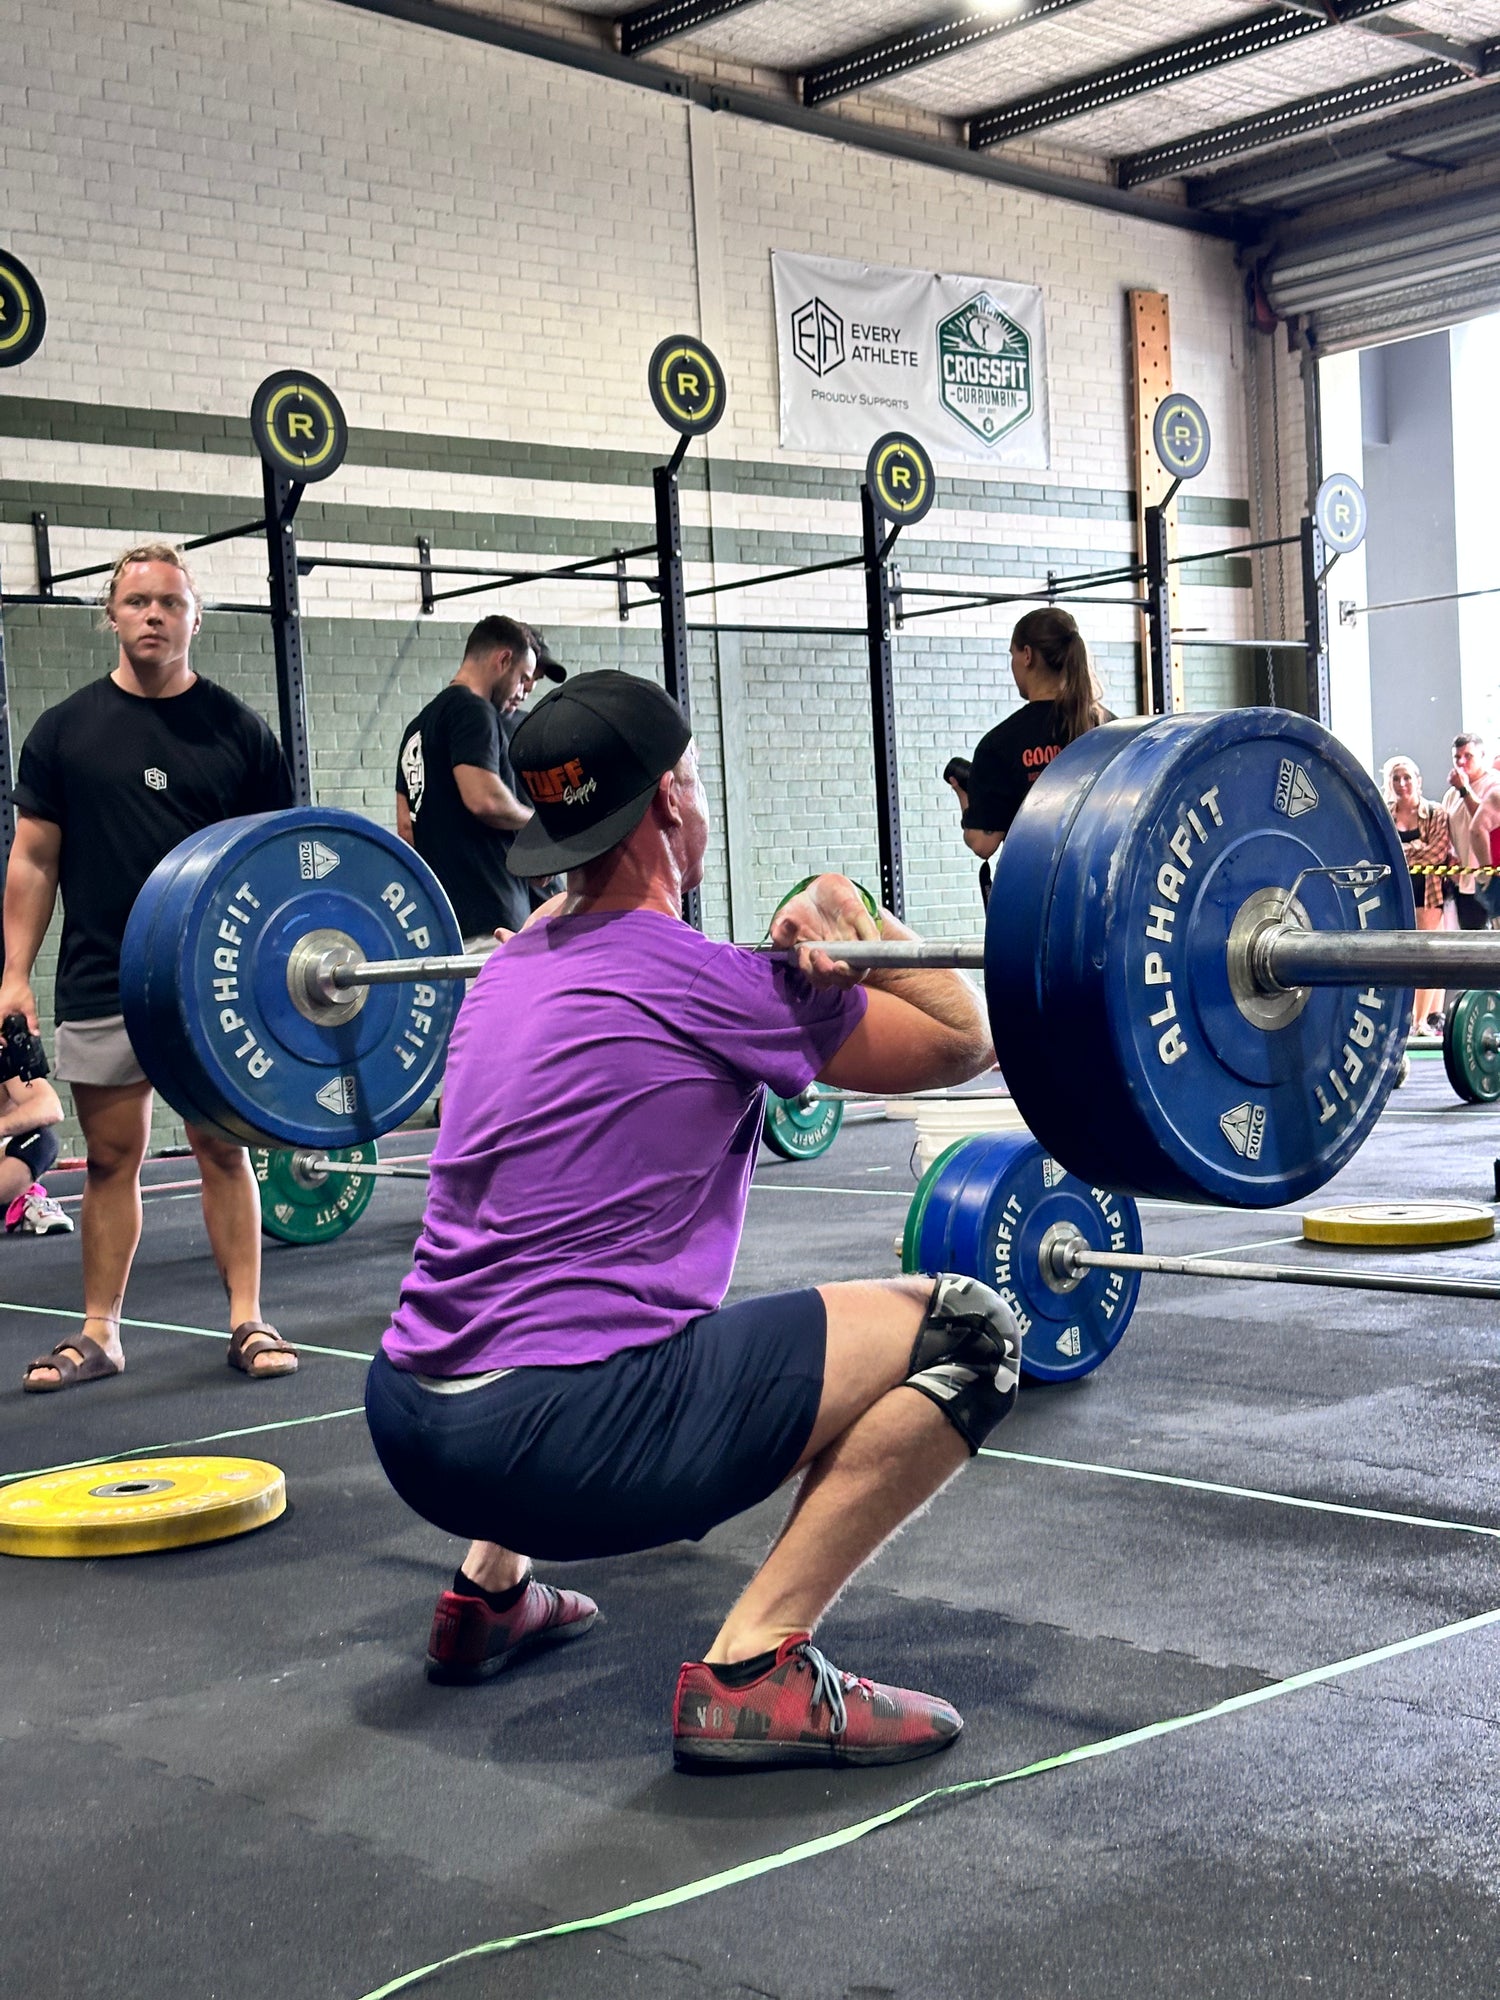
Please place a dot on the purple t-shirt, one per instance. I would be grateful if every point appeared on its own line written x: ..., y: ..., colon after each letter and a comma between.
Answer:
x: 601, y: 1113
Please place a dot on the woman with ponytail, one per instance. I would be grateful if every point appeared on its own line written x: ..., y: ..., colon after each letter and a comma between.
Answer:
x: 1050, y: 665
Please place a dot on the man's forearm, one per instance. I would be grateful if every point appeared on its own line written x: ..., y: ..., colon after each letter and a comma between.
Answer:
x: 38, y: 1107
x: 30, y: 897
x: 948, y: 997
x: 502, y: 810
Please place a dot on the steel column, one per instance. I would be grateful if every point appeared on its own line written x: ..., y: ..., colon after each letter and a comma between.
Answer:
x: 674, y: 654
x: 1315, y: 622
x: 876, y: 544
x: 1167, y: 694
x: 282, y: 496
x: 7, y: 806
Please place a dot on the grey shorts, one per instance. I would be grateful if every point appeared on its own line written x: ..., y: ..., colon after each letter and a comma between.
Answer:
x: 96, y: 1052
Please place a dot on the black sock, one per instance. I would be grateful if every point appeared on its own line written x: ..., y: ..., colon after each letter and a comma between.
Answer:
x: 497, y: 1600
x: 741, y: 1672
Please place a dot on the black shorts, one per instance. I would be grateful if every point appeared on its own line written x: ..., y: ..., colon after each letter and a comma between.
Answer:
x: 656, y: 1444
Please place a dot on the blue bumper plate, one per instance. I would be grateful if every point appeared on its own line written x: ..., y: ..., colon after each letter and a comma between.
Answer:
x: 985, y: 1211
x: 204, y: 979
x: 1108, y: 958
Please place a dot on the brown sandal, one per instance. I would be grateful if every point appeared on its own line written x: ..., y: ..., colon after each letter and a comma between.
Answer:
x: 94, y: 1365
x: 249, y: 1341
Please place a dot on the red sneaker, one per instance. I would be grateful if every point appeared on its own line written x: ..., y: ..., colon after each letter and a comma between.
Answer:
x: 469, y: 1642
x: 803, y: 1710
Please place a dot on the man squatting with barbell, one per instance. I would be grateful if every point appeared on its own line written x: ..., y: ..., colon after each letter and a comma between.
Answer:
x: 560, y: 1375
x: 111, y: 780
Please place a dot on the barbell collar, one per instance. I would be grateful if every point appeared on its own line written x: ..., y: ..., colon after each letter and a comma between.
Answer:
x: 1064, y: 1260
x: 339, y: 976
x: 317, y: 1167
x: 1287, y: 957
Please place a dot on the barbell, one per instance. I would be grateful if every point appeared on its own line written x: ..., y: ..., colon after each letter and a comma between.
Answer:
x: 1197, y: 936
x: 1067, y: 1257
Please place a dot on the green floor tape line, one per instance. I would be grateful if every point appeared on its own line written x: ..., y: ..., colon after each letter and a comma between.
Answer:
x: 829, y: 1843
x: 181, y: 1444
x: 171, y: 1326
x: 1244, y: 1493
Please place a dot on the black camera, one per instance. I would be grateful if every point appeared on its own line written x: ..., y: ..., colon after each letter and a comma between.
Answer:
x: 21, y: 1052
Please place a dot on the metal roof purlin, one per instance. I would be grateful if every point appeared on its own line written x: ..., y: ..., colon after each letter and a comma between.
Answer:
x: 1345, y: 156
x: 658, y: 21
x: 924, y: 42
x: 1288, y: 121
x: 1171, y: 62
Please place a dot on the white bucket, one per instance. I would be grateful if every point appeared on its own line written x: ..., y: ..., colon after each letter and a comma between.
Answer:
x: 942, y: 1120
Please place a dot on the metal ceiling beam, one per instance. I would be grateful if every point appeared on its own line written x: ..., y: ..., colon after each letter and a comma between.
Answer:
x: 660, y: 20
x: 1289, y: 121
x: 925, y: 42
x: 1172, y: 62
x: 1432, y: 137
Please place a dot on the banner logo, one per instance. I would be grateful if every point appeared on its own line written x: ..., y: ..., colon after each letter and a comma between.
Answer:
x: 818, y: 337
x: 984, y: 364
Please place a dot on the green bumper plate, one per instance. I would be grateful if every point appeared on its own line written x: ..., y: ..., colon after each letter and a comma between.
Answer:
x: 799, y: 1129
x: 306, y: 1208
x: 911, y: 1236
x: 1471, y: 1046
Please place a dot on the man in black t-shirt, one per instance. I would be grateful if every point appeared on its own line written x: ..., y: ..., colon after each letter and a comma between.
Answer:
x: 454, y: 803
x: 110, y: 781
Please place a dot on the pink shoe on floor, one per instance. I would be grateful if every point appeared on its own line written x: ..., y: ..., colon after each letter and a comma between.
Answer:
x: 35, y: 1213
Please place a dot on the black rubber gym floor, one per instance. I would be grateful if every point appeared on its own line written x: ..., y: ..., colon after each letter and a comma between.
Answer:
x: 1210, y: 1591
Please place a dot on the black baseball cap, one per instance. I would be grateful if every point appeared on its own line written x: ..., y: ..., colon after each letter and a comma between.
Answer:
x: 546, y: 663
x: 590, y: 755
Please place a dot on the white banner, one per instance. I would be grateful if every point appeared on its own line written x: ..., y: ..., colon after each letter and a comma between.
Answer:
x: 959, y: 363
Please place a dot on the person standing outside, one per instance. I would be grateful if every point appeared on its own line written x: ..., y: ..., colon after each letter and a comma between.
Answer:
x: 111, y: 780
x: 1422, y: 829
x: 453, y: 803
x: 1471, y: 805
x: 1050, y: 666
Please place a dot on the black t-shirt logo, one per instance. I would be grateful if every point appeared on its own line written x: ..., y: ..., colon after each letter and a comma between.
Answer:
x: 155, y: 777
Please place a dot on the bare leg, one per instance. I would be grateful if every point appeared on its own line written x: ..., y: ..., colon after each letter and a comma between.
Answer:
x: 231, y: 1214
x: 492, y: 1567
x: 1428, y: 999
x: 877, y: 1453
x: 116, y: 1121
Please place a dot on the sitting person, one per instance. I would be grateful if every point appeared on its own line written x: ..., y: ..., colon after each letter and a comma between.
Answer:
x: 561, y: 1375
x: 28, y: 1148
x: 29, y: 1108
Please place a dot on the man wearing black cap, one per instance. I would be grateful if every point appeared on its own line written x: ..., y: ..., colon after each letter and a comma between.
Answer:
x: 560, y: 1374
x: 453, y: 803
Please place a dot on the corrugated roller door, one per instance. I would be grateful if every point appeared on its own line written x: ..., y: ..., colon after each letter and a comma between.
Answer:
x: 1403, y: 275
